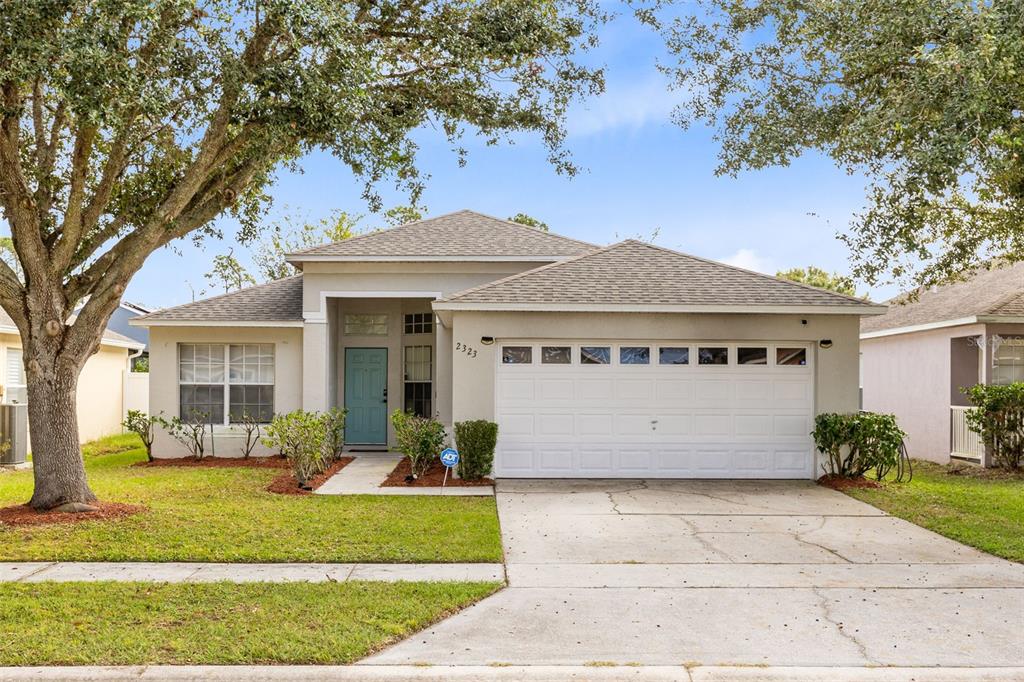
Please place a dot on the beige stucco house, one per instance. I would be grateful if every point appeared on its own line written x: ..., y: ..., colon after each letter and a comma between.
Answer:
x: 623, y: 361
x: 101, y: 397
x: 919, y: 355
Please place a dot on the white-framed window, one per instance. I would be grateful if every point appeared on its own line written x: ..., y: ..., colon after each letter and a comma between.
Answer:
x: 418, y: 371
x: 1008, y: 364
x: 222, y: 383
x: 419, y: 323
x: 16, y: 390
x: 366, y: 324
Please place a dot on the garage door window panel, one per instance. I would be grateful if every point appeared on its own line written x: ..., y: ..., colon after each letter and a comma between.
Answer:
x: 516, y: 355
x: 791, y: 357
x: 634, y: 355
x: 595, y: 355
x: 673, y: 355
x: 752, y: 355
x: 713, y: 355
x: 556, y: 355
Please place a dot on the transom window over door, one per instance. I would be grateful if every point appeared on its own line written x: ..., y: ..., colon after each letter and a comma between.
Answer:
x: 418, y: 380
x: 210, y: 372
x: 419, y: 323
x: 366, y: 324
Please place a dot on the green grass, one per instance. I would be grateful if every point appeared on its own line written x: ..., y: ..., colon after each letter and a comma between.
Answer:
x: 221, y: 623
x: 226, y: 515
x: 986, y: 512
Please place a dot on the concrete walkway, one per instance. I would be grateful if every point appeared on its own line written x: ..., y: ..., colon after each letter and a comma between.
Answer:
x: 364, y: 475
x: 35, y: 572
x: 444, y: 673
x: 754, y: 573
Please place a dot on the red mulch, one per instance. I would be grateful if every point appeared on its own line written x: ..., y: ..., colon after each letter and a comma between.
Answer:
x: 433, y: 477
x: 286, y: 484
x: 844, y: 483
x: 24, y: 515
x: 275, y: 462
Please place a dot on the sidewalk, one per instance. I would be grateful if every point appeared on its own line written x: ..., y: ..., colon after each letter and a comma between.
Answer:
x: 364, y: 475
x: 34, y: 572
x: 443, y: 673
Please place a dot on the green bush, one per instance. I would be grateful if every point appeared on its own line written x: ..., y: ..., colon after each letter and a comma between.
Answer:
x: 301, y: 437
x: 476, y: 441
x: 998, y: 418
x: 144, y: 425
x: 854, y: 444
x: 419, y: 439
x: 334, y: 423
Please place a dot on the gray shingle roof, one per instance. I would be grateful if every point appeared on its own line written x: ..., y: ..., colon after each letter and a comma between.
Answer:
x: 277, y: 301
x: 108, y: 335
x: 457, y: 235
x: 998, y: 292
x: 635, y: 273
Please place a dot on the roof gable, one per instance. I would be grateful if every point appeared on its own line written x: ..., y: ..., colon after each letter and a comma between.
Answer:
x: 456, y: 236
x: 644, y: 276
x: 277, y: 301
x: 995, y: 291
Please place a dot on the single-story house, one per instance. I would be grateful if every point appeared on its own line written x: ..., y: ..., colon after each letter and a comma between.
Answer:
x: 919, y: 355
x: 101, y: 399
x: 623, y: 361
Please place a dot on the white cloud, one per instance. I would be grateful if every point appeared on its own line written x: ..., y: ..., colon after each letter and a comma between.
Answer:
x: 625, y: 104
x: 750, y: 260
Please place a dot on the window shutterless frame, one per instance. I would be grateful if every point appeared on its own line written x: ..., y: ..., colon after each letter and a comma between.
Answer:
x: 224, y: 381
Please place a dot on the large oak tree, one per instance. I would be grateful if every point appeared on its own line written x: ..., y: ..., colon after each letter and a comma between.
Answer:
x: 128, y: 124
x: 925, y: 97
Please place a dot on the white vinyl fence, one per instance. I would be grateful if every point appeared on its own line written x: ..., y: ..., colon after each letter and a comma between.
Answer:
x: 136, y: 392
x: 965, y: 443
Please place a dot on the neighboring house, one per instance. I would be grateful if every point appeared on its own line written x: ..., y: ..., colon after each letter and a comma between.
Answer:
x: 624, y: 361
x: 119, y: 323
x: 101, y: 385
x: 919, y: 355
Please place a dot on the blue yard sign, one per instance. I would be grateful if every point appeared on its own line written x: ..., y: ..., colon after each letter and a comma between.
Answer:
x: 449, y: 457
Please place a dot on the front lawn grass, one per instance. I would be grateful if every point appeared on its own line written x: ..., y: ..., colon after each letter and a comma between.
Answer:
x: 254, y: 623
x: 984, y: 512
x: 227, y: 515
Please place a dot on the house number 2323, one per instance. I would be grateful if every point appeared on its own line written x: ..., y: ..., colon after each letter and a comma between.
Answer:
x: 463, y: 348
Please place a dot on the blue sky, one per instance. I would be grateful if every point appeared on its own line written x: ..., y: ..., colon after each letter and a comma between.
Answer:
x: 642, y: 173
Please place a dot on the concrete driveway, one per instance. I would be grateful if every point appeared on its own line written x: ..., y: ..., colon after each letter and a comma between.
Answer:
x: 726, y: 572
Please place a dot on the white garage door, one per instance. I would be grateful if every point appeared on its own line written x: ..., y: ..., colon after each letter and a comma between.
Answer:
x: 670, y: 409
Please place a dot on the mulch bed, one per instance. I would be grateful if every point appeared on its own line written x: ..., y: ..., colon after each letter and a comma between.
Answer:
x: 24, y: 515
x: 431, y: 479
x: 286, y: 484
x: 844, y: 483
x: 275, y: 462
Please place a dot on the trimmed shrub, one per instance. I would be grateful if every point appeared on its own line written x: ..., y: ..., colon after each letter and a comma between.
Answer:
x: 419, y: 439
x: 144, y: 425
x: 301, y: 437
x: 998, y: 417
x: 476, y: 441
x: 854, y: 444
x: 334, y: 423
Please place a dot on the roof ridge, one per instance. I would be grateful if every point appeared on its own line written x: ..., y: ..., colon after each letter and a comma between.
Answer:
x: 775, y: 278
x: 395, y: 228
x: 518, y: 275
x: 371, y: 233
x: 219, y: 296
x: 1003, y: 300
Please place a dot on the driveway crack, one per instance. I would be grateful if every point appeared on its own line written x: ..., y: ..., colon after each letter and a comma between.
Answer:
x: 830, y: 618
x: 799, y: 537
x: 641, y: 485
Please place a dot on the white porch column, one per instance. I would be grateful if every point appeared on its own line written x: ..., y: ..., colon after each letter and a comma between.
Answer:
x: 443, y: 372
x: 314, y: 365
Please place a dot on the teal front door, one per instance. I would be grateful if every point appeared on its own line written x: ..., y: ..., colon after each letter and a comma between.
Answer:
x: 366, y: 396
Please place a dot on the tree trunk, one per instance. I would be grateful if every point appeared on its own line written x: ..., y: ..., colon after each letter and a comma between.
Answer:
x: 53, y: 426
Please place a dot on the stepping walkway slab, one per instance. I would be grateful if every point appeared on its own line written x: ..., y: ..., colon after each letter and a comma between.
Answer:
x: 364, y: 475
x: 243, y: 573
